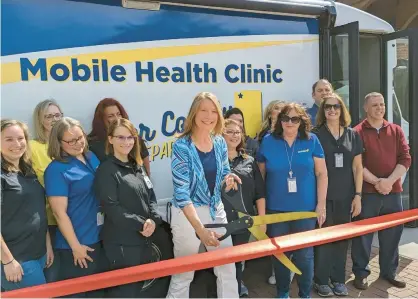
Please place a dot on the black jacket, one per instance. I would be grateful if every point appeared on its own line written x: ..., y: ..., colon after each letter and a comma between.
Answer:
x: 253, y: 189
x: 126, y: 200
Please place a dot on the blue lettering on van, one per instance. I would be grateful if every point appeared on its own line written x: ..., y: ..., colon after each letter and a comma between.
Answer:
x: 178, y: 126
x: 40, y: 67
x: 78, y: 71
x: 245, y: 73
x: 146, y: 132
x: 99, y: 70
x: 192, y: 73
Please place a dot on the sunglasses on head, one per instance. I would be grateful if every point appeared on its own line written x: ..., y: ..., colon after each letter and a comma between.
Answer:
x: 328, y: 107
x: 294, y: 119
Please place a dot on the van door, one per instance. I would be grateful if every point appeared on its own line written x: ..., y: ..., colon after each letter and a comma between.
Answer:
x: 344, y: 65
x: 400, y: 89
x: 389, y: 65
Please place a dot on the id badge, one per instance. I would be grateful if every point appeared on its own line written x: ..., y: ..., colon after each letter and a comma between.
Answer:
x: 148, y: 182
x: 291, y: 185
x: 339, y: 160
x: 100, y: 218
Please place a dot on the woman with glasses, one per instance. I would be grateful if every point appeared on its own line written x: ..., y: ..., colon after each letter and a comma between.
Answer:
x: 25, y: 243
x: 245, y: 167
x: 107, y: 111
x: 343, y: 148
x: 292, y: 161
x: 126, y: 192
x: 251, y: 145
x: 200, y: 170
x: 45, y: 115
x: 69, y: 187
x: 270, y: 118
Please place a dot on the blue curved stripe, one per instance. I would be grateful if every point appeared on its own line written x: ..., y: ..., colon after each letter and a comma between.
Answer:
x: 40, y: 25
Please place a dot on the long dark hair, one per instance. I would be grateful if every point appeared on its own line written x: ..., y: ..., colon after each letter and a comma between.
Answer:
x: 305, y: 122
x: 98, y: 131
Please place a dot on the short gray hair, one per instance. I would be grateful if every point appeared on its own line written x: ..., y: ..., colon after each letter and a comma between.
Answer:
x: 39, y: 116
x: 372, y: 95
x: 55, y: 151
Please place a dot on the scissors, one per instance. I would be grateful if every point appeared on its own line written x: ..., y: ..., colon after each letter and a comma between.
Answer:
x: 252, y: 223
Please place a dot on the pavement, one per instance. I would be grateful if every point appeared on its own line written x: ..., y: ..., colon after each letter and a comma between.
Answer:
x: 257, y: 272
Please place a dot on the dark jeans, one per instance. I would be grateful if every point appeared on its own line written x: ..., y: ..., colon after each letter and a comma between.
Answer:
x: 52, y: 273
x: 376, y: 205
x: 68, y: 270
x: 120, y: 257
x: 240, y: 239
x: 302, y: 258
x: 330, y: 259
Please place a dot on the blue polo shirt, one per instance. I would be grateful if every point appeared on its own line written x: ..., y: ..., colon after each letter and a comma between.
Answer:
x: 74, y: 179
x: 272, y: 152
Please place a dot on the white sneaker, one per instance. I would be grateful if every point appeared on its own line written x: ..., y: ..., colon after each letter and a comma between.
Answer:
x: 272, y: 280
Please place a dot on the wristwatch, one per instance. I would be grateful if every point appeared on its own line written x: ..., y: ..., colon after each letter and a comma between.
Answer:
x: 358, y: 193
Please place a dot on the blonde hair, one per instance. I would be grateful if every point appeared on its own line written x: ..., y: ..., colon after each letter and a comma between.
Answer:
x: 135, y: 153
x: 60, y: 127
x: 38, y: 119
x: 25, y: 162
x: 267, y: 122
x: 189, y: 124
x: 345, y: 118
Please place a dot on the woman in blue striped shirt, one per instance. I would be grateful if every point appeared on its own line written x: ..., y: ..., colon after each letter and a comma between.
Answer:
x: 200, y: 168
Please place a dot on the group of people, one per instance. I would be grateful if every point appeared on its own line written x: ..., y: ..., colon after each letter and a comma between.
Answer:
x: 101, y: 210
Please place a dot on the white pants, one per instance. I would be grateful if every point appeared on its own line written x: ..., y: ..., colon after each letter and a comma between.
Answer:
x: 186, y: 243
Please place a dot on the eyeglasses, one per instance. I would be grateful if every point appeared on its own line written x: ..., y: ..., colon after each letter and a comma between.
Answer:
x: 294, y: 119
x: 121, y: 138
x: 232, y: 132
x: 328, y: 107
x: 74, y: 141
x: 57, y: 116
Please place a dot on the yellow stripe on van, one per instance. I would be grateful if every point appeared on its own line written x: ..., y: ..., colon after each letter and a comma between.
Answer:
x: 10, y: 72
x: 250, y: 103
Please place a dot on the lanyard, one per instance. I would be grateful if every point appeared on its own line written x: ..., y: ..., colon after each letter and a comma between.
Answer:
x: 291, y: 158
x: 337, y: 141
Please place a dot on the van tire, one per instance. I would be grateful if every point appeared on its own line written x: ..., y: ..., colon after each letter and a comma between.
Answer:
x: 162, y: 243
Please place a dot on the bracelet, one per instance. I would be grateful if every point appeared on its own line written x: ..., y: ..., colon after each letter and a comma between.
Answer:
x: 8, y: 262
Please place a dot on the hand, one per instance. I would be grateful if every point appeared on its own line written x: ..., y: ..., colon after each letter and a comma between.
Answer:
x: 149, y: 228
x: 13, y: 271
x: 231, y: 181
x: 384, y: 186
x: 80, y: 255
x: 209, y: 238
x: 49, y: 255
x: 356, y: 206
x: 321, y: 211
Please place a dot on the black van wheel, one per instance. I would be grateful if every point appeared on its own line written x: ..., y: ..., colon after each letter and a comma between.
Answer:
x: 162, y: 249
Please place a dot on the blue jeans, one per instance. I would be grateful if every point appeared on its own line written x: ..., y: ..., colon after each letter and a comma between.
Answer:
x: 376, y: 205
x: 33, y: 275
x: 302, y: 258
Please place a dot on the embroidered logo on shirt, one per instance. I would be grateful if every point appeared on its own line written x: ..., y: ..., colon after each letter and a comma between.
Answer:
x: 304, y: 151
